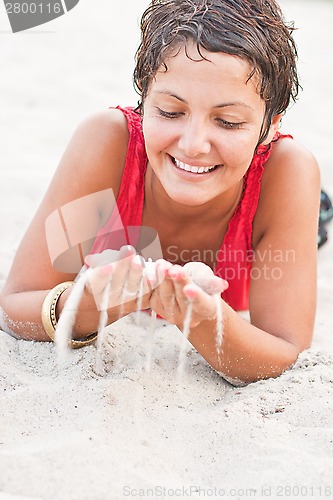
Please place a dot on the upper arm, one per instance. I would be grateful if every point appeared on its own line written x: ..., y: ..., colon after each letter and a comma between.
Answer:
x: 72, y: 207
x: 283, y: 285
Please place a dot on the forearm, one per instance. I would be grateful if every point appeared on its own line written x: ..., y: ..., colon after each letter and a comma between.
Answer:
x: 22, y: 311
x: 247, y: 353
x: 20, y: 315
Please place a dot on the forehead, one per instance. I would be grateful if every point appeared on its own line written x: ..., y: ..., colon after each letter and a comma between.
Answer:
x: 207, y: 72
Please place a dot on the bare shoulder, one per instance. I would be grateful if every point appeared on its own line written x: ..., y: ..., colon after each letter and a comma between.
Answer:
x: 82, y: 190
x: 93, y: 160
x: 109, y: 122
x: 290, y: 161
x: 290, y: 188
x: 99, y: 145
x: 289, y: 151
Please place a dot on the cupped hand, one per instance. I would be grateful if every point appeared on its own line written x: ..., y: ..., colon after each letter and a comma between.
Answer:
x: 120, y: 284
x: 176, y: 289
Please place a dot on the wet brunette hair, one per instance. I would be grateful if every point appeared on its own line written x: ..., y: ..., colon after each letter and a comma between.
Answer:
x: 254, y: 30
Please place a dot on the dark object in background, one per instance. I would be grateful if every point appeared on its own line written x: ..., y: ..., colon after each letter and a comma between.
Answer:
x: 325, y: 216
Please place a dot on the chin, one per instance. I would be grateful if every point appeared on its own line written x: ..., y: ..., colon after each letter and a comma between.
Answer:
x: 189, y: 201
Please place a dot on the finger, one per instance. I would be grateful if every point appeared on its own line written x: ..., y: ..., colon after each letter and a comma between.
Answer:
x: 121, y: 268
x: 162, y: 269
x: 155, y: 272
x: 97, y: 282
x: 149, y: 274
x: 202, y: 303
x: 98, y: 278
x: 101, y: 259
x: 179, y: 279
x: 126, y: 251
x: 165, y: 292
x: 133, y: 280
x: 213, y: 285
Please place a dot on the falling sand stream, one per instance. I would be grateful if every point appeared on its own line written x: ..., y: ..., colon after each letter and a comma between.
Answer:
x: 199, y: 273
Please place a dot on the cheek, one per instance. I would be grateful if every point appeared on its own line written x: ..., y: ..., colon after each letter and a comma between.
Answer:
x: 157, y: 136
x: 238, y: 150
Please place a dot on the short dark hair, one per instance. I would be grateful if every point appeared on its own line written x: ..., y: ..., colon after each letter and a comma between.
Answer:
x: 254, y: 30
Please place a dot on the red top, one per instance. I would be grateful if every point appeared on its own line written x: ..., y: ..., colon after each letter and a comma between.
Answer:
x: 234, y: 262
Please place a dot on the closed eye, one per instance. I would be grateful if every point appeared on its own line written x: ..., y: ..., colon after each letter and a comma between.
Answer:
x: 229, y: 125
x: 168, y: 114
x: 221, y: 122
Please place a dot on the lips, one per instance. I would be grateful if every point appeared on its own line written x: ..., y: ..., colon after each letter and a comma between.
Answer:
x: 193, y: 168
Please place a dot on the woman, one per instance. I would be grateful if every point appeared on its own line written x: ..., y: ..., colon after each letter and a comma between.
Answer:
x: 202, y: 163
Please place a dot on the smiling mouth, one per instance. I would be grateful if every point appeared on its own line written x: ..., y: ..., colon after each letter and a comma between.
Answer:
x: 192, y: 168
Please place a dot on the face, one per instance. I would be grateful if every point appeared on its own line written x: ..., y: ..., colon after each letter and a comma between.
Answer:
x: 201, y: 124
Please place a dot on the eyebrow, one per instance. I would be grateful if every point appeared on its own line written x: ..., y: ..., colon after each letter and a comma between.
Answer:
x: 222, y: 105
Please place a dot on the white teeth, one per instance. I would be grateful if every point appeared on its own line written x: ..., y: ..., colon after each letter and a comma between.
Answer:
x: 193, y: 169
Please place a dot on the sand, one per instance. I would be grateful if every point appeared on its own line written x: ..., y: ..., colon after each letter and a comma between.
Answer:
x: 71, y: 431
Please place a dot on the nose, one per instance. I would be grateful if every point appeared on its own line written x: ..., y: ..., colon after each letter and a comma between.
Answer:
x: 194, y: 140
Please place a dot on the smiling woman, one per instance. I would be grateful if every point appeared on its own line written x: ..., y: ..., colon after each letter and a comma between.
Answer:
x: 202, y: 164
x: 235, y: 28
x: 214, y: 128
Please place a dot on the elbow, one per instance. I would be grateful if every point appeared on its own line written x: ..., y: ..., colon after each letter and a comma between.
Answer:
x: 11, y: 323
x: 243, y: 371
x: 279, y: 362
x: 3, y: 316
x: 5, y: 323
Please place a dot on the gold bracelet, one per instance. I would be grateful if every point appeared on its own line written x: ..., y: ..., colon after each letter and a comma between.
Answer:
x: 49, y: 318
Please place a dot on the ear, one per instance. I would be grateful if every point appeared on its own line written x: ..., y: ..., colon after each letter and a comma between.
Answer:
x: 273, y: 128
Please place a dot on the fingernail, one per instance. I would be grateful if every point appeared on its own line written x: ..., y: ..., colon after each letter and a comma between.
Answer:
x: 127, y: 251
x: 177, y: 275
x: 137, y: 262
x: 189, y: 294
x: 107, y: 270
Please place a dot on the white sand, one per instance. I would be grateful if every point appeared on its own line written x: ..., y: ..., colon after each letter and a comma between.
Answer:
x: 70, y: 434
